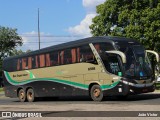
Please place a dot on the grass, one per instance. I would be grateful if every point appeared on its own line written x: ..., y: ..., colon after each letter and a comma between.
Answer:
x: 1, y: 89
x: 157, y: 91
x: 157, y: 87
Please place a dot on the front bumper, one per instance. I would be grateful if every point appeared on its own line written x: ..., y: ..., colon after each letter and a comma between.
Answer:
x: 140, y: 88
x: 125, y: 87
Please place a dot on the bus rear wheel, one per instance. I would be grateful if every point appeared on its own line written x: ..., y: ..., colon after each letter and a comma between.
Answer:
x: 22, y: 95
x: 30, y: 95
x: 96, y: 93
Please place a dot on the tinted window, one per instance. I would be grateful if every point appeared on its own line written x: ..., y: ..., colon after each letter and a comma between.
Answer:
x: 34, y: 62
x: 19, y: 64
x: 48, y: 62
x: 103, y: 46
x: 24, y: 63
x: 61, y: 56
x: 74, y: 55
x: 29, y: 62
x: 67, y: 56
x: 111, y: 63
x: 86, y: 54
x: 42, y: 60
x: 54, y: 58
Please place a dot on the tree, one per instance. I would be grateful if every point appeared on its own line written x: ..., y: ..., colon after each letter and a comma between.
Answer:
x: 9, y: 39
x: 138, y: 19
x: 15, y: 52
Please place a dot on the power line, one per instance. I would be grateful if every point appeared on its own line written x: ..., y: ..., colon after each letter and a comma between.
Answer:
x: 25, y: 35
x: 49, y: 42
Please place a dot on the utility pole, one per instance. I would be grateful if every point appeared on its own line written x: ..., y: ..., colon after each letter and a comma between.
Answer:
x: 39, y: 32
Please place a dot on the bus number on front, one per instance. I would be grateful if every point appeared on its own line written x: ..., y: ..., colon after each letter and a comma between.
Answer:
x: 91, y: 68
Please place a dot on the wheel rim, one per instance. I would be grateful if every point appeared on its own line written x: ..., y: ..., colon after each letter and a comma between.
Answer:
x: 96, y: 93
x: 30, y: 95
x: 22, y: 95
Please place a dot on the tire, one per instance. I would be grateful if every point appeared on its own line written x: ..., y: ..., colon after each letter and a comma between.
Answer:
x: 96, y: 93
x: 30, y: 95
x: 22, y: 95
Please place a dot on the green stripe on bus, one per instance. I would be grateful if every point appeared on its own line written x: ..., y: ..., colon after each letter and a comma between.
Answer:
x: 48, y: 79
x: 84, y: 86
x: 104, y: 87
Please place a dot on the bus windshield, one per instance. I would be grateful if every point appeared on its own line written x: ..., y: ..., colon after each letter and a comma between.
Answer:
x: 143, y: 64
x: 138, y: 64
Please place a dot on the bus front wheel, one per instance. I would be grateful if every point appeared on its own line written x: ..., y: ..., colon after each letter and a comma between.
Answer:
x: 96, y: 93
x: 30, y: 95
x: 22, y: 95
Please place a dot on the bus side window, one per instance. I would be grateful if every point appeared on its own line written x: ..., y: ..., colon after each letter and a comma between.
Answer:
x: 42, y: 60
x: 51, y: 55
x: 54, y: 58
x: 106, y: 46
x: 24, y: 63
x: 61, y: 54
x: 86, y: 54
x: 97, y: 46
x: 48, y: 62
x: 29, y: 62
x: 19, y: 64
x: 78, y: 55
x: 37, y: 61
x: 67, y: 56
x: 33, y: 62
x: 74, y: 58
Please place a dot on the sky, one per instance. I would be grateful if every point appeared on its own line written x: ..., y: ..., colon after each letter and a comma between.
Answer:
x: 60, y: 20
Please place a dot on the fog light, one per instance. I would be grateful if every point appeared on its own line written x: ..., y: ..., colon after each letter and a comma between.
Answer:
x: 120, y: 89
x: 131, y: 90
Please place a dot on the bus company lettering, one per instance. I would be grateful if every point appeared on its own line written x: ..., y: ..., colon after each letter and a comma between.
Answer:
x: 20, y: 75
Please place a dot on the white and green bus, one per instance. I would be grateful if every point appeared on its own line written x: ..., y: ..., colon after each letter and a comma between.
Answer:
x: 95, y: 67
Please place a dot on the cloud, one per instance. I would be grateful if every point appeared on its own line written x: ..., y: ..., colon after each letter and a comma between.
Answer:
x: 83, y: 28
x: 31, y: 41
x: 90, y: 5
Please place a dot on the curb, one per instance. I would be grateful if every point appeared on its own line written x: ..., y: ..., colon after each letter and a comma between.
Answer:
x: 2, y: 94
x: 156, y: 92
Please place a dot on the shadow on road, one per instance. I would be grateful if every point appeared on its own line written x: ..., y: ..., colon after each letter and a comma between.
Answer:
x: 110, y: 98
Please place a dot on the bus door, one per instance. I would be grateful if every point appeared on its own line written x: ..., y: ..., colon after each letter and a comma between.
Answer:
x: 155, y: 64
x: 112, y: 63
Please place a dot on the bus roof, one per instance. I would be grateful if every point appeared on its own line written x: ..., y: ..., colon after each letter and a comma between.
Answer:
x: 108, y: 39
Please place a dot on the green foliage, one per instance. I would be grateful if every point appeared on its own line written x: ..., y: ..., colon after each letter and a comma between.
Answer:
x: 15, y: 52
x: 1, y: 89
x: 0, y: 67
x: 138, y: 19
x: 9, y: 39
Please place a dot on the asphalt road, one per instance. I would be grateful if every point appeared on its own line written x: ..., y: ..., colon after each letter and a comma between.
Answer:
x: 66, y: 106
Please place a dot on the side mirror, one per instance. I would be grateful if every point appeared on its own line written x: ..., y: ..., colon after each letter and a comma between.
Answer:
x: 121, y: 54
x: 155, y: 53
x: 157, y: 71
